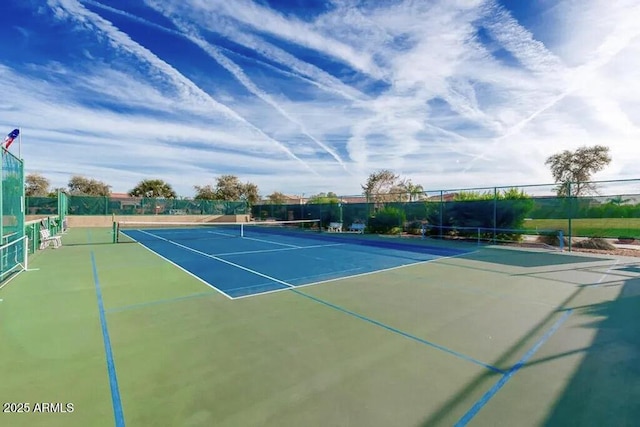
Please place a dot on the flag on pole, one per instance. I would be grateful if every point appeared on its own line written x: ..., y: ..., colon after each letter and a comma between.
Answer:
x: 9, y: 138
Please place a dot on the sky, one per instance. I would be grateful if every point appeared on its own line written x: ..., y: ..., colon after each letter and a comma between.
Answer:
x: 309, y: 96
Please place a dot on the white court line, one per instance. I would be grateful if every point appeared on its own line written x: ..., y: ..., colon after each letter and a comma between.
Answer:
x: 183, y: 269
x: 293, y: 279
x: 259, y: 251
x: 359, y: 274
x: 233, y: 264
x: 257, y: 240
x: 273, y: 243
x: 289, y: 285
x: 219, y: 233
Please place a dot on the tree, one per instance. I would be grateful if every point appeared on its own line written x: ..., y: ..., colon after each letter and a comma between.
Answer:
x: 81, y: 186
x: 36, y: 185
x: 323, y: 199
x: 482, y: 212
x: 277, y: 198
x: 229, y: 188
x: 153, y: 188
x: 206, y: 192
x: 414, y: 191
x: 250, y: 193
x: 572, y: 170
x: 618, y: 201
x: 381, y: 185
x: 55, y: 191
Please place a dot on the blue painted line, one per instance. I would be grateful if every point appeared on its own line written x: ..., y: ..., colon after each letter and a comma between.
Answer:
x: 156, y: 302
x: 399, y: 332
x: 111, y: 367
x: 507, y: 376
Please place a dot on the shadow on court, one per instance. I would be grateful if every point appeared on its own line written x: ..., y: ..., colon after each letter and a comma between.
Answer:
x: 604, y: 387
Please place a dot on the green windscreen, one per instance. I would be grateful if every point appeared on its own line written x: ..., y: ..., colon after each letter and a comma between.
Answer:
x: 13, y: 216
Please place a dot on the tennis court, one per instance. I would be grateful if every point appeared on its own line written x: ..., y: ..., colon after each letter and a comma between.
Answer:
x: 274, y: 327
x: 255, y: 260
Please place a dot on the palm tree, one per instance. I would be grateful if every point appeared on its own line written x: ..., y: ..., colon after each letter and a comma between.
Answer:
x: 415, y: 191
x: 153, y: 188
x: 618, y: 200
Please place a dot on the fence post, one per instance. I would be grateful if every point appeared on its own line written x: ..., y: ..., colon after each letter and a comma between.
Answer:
x: 495, y: 212
x: 570, y: 214
x: 26, y: 252
x: 441, y: 211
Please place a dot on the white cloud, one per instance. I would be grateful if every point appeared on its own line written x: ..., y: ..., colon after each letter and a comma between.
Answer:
x: 316, y: 104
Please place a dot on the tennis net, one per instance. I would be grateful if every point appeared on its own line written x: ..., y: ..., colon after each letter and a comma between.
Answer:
x: 13, y: 258
x: 529, y: 238
x: 135, y: 231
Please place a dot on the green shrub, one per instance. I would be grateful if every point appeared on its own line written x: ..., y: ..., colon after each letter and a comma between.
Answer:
x: 395, y: 230
x: 385, y: 220
x: 414, y: 227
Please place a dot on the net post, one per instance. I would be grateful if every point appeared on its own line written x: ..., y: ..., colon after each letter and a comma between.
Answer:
x: 114, y: 231
x: 561, y: 240
x: 241, y: 230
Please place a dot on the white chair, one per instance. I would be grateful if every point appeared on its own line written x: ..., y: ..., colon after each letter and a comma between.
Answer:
x: 335, y: 227
x: 46, y: 238
x: 357, y: 228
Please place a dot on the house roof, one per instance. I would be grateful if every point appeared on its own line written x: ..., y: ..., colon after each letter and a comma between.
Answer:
x: 120, y: 196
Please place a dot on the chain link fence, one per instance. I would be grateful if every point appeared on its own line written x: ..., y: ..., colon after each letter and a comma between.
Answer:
x: 89, y: 205
x: 13, y: 245
x: 610, y: 210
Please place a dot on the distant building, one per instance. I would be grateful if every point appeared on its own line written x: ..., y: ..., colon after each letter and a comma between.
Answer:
x: 288, y: 200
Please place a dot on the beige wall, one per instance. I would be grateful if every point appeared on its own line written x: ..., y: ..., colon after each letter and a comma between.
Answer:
x: 107, y: 220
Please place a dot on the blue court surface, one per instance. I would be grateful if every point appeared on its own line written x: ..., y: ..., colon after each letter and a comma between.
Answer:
x: 261, y: 262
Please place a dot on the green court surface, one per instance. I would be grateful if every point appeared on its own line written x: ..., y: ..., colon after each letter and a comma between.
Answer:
x: 497, y: 336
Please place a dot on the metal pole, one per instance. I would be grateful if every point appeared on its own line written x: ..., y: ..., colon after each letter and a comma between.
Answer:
x: 26, y: 253
x: 441, y: 211
x: 570, y: 214
x: 23, y: 200
x: 495, y: 212
x: 4, y: 154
